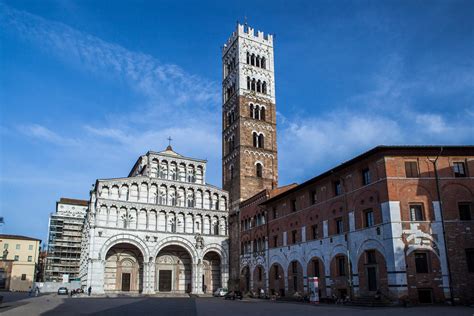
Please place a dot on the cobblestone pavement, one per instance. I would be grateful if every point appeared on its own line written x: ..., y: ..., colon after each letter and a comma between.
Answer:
x: 60, y: 305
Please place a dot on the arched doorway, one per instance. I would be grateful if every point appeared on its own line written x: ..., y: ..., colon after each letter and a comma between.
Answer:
x: 339, y: 268
x: 316, y: 269
x: 424, y: 271
x: 372, y: 271
x: 123, y: 269
x: 295, y: 278
x: 173, y: 270
x: 258, y: 279
x: 212, y: 272
x: 245, y: 279
x: 277, y: 280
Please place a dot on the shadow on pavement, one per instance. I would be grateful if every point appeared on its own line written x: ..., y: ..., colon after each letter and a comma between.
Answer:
x: 126, y: 306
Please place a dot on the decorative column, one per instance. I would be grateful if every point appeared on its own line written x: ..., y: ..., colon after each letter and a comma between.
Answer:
x: 327, y: 275
x: 150, y: 276
x: 197, y: 278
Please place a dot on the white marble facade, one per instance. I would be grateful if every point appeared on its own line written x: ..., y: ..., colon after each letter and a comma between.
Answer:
x: 161, y: 229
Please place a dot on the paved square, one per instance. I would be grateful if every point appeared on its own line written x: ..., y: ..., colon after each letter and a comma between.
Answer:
x: 60, y: 305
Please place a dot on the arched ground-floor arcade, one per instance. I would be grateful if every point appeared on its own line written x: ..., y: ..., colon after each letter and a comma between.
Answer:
x: 177, y: 266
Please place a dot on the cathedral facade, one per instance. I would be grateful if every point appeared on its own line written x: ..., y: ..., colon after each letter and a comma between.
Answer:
x: 162, y: 229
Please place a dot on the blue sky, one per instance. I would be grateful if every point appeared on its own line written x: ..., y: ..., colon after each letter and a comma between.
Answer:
x: 88, y: 86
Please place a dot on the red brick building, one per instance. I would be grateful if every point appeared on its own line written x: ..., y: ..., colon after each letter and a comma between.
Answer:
x: 395, y: 220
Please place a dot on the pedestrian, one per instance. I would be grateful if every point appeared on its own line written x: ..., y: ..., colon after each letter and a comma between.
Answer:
x: 37, y: 290
x: 89, y: 290
x: 29, y: 291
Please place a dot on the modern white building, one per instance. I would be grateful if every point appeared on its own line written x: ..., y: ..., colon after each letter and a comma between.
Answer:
x: 161, y: 229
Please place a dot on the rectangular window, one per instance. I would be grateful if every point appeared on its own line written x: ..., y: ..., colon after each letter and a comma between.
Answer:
x: 314, y: 197
x: 30, y: 247
x: 470, y: 259
x: 23, y: 277
x: 339, y: 226
x: 411, y: 169
x: 370, y: 256
x: 274, y: 211
x: 293, y: 205
x: 316, y: 268
x: 314, y: 231
x: 17, y: 246
x: 337, y: 187
x: 421, y: 262
x: 30, y: 258
x: 365, y: 176
x: 341, y: 266
x: 459, y: 169
x: 464, y: 211
x: 275, y: 240
x: 293, y: 236
x: 369, y: 218
x: 17, y: 258
x: 416, y: 212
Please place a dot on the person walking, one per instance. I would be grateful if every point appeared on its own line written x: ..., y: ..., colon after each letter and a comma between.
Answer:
x: 89, y: 290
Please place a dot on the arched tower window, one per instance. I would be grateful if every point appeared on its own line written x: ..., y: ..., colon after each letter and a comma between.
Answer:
x: 257, y: 61
x: 259, y: 86
x: 264, y: 63
x: 248, y: 58
x: 260, y: 141
x: 264, y: 87
x: 231, y: 172
x: 252, y: 60
x: 259, y: 170
x: 253, y: 85
x: 251, y: 111
x: 257, y: 113
x: 262, y: 113
x: 248, y: 83
x: 255, y: 139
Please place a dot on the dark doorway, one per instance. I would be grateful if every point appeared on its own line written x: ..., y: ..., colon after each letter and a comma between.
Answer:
x: 125, y: 282
x: 165, y: 281
x: 425, y: 296
x: 372, y: 278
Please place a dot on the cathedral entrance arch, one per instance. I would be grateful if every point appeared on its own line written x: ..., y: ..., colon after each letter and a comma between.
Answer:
x: 173, y: 268
x: 123, y: 269
x: 212, y: 272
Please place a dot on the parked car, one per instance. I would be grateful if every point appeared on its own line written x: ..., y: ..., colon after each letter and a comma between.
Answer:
x: 62, y: 291
x: 79, y: 291
x: 220, y: 292
x: 232, y: 295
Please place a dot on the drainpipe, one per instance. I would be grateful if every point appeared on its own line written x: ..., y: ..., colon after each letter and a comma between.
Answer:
x: 438, y: 190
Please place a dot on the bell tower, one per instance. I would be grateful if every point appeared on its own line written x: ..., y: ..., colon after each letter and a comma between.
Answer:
x: 249, y: 148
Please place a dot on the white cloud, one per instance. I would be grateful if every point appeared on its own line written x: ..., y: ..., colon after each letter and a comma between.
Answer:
x: 433, y: 123
x: 44, y: 134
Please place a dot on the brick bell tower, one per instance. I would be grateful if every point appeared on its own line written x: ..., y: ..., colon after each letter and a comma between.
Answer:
x: 249, y: 147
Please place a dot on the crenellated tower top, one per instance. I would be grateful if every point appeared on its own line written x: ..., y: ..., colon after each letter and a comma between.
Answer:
x: 245, y: 31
